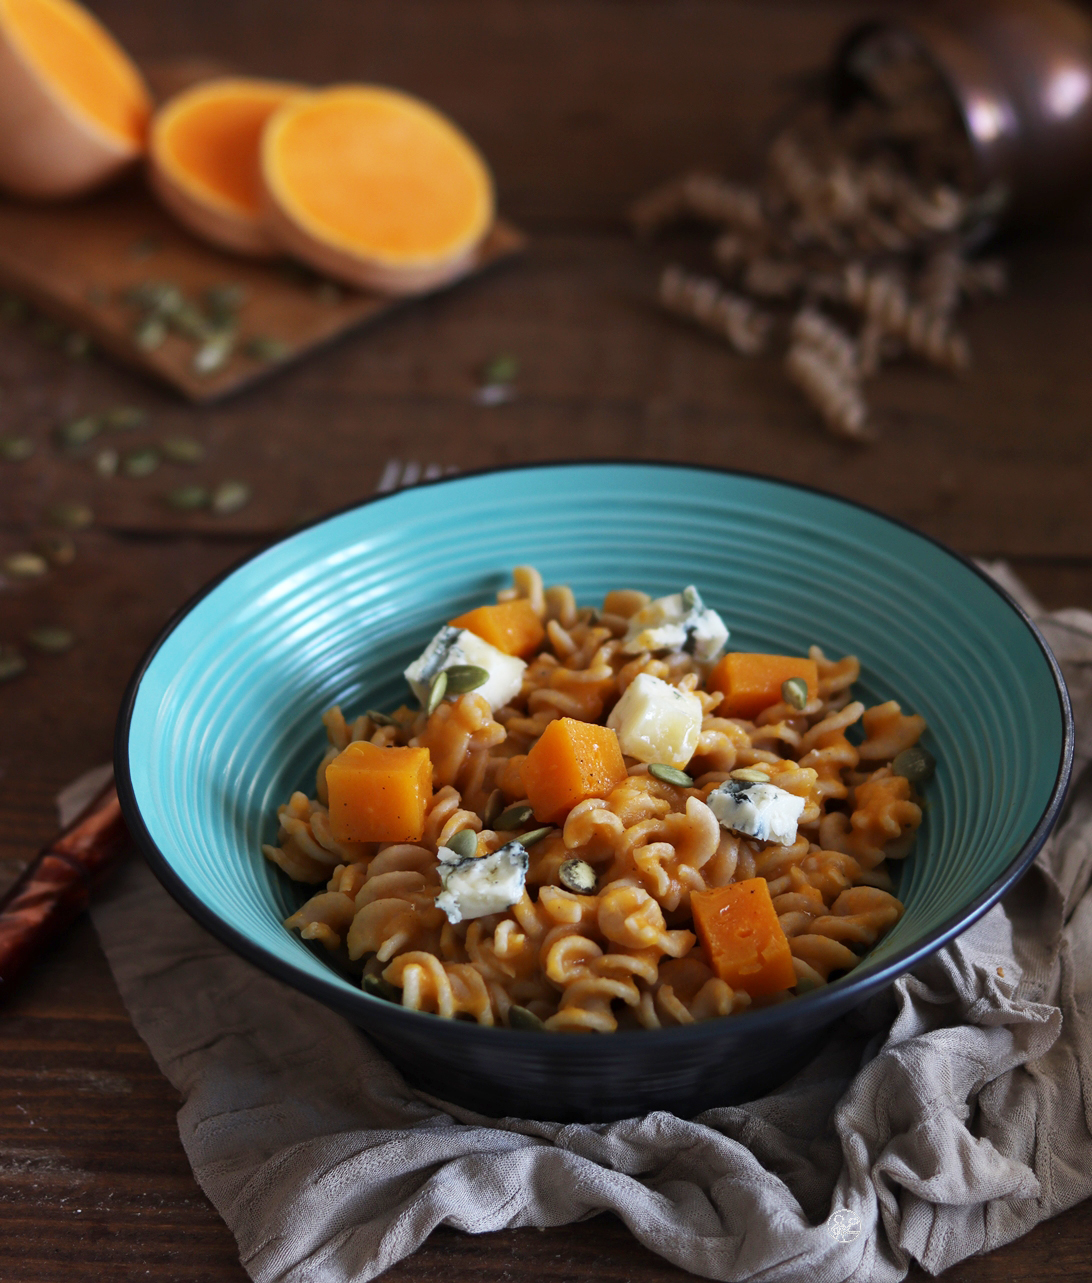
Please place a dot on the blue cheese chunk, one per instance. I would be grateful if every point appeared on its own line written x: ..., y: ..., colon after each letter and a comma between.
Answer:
x: 453, y: 646
x: 760, y: 811
x: 480, y: 885
x: 656, y: 722
x: 680, y: 621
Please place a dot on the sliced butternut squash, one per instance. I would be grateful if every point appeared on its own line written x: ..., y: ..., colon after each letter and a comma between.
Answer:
x: 511, y: 626
x: 379, y: 794
x: 570, y: 761
x: 203, y: 160
x: 73, y: 108
x: 752, y: 682
x: 741, y: 937
x: 375, y: 188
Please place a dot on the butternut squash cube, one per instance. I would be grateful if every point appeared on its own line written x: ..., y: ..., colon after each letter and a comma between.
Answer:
x: 511, y: 626
x: 751, y: 682
x: 379, y: 794
x: 570, y: 761
x: 742, y: 939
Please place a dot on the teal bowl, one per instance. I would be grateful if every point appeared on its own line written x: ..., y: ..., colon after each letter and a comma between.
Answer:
x: 221, y: 723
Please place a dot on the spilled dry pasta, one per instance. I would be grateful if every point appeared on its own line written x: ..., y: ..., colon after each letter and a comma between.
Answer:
x: 603, y: 817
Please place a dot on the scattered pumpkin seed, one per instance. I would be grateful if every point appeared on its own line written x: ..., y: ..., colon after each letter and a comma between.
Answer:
x: 144, y: 248
x: 149, y: 333
x: 74, y: 515
x: 50, y: 639
x: 25, y: 565
x: 501, y: 369
x: 378, y: 718
x: 805, y: 984
x: 163, y: 297
x: 58, y: 549
x: 77, y: 344
x: 915, y: 764
x: 794, y: 691
x: 436, y: 692
x: 182, y: 449
x: 189, y: 498
x: 12, y: 663
x: 16, y: 449
x: 380, y: 988
x: 535, y: 835
x: 224, y: 300
x: 229, y: 497
x: 263, y: 347
x: 464, y: 843
x: 670, y: 775
x: 124, y: 418
x: 577, y: 876
x: 514, y: 818
x: 106, y: 463
x: 213, y: 354
x: 77, y: 433
x: 462, y: 678
x: 751, y: 775
x: 521, y: 1018
x: 13, y: 308
x: 140, y: 463
x: 494, y: 805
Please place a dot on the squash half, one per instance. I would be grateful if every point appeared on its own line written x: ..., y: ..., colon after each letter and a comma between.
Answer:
x: 73, y: 108
x: 203, y: 160
x: 375, y: 188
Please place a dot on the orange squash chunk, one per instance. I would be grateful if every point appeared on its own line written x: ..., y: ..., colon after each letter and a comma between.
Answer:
x: 570, y: 761
x: 742, y: 939
x: 511, y: 626
x: 379, y: 794
x: 751, y: 682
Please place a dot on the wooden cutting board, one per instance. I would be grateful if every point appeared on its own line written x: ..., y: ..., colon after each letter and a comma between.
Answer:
x: 77, y: 261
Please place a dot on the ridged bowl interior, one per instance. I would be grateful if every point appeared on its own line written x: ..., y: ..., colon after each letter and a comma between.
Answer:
x: 223, y: 721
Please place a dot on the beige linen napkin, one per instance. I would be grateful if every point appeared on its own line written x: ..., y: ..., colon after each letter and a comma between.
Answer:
x: 950, y: 1115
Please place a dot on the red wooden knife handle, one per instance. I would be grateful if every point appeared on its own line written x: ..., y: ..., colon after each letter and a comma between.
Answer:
x: 57, y: 884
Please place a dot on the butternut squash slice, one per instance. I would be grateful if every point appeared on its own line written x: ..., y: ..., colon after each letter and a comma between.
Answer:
x: 73, y: 108
x: 375, y: 188
x: 203, y: 160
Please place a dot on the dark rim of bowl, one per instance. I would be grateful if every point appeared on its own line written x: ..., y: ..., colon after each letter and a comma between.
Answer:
x: 841, y: 995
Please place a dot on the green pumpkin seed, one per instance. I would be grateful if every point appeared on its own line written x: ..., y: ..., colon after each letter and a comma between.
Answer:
x: 436, y: 692
x: 149, y: 333
x: 58, y: 549
x: 521, y: 1018
x: 13, y: 308
x: 263, y: 347
x: 213, y: 355
x: 74, y: 515
x: 189, y: 498
x: 12, y: 663
x: 750, y: 775
x: 16, y: 449
x: 182, y: 450
x: 670, y: 775
x: 794, y: 691
x: 493, y: 807
x: 514, y: 818
x: 915, y: 764
x: 380, y: 988
x: 805, y: 984
x: 49, y: 639
x: 124, y: 418
x: 140, y: 463
x: 188, y: 320
x: 78, y: 432
x: 378, y: 718
x: 25, y: 565
x: 501, y: 369
x: 229, y: 497
x: 536, y: 835
x: 577, y: 876
x: 106, y: 463
x: 163, y: 297
x: 462, y: 678
x: 464, y: 843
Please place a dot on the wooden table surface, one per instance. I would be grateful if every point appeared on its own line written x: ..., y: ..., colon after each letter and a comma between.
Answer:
x: 580, y: 105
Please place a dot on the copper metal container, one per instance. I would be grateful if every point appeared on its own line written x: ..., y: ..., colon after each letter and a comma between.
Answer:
x: 1021, y: 72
